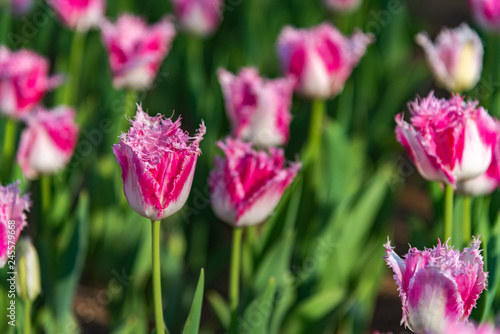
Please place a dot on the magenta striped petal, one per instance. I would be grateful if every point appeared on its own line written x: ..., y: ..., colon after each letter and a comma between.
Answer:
x: 437, y: 286
x: 13, y: 209
x: 247, y: 184
x: 158, y: 161
x: 136, y: 50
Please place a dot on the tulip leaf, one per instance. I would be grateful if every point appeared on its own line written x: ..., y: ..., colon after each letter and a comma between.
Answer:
x: 220, y: 307
x: 258, y: 314
x: 312, y: 310
x: 193, y: 321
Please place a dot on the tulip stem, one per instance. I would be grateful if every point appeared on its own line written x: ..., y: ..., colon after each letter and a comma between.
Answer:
x: 8, y: 145
x: 315, y: 126
x: 448, y: 212
x: 46, y: 195
x: 129, y: 107
x: 4, y: 20
x: 27, y: 316
x: 234, y: 279
x: 155, y: 251
x: 466, y: 219
x: 74, y: 68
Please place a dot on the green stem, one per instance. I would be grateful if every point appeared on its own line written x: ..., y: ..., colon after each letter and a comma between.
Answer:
x: 46, y: 194
x: 234, y: 279
x: 128, y: 109
x: 74, y: 68
x: 448, y: 212
x: 315, y: 127
x: 9, y: 144
x: 27, y: 316
x: 155, y: 251
x: 5, y: 19
x: 466, y: 220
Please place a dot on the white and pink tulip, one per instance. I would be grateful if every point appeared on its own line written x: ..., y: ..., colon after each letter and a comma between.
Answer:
x: 437, y: 286
x: 320, y: 59
x: 258, y: 108
x: 48, y: 141
x: 246, y: 185
x: 158, y: 160
x: 198, y: 17
x: 24, y: 80
x: 448, y: 140
x: 13, y: 209
x: 81, y: 15
x: 456, y: 58
x: 136, y: 50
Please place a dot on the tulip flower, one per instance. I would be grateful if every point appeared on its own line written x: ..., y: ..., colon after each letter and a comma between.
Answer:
x: 437, y: 286
x: 21, y: 7
x: 136, y: 50
x: 79, y: 14
x: 486, y: 13
x: 158, y: 160
x: 12, y: 219
x: 48, y: 141
x: 259, y: 109
x: 456, y: 59
x: 198, y: 17
x: 458, y: 328
x: 247, y: 185
x: 320, y: 58
x: 343, y: 6
x: 24, y: 80
x: 448, y: 140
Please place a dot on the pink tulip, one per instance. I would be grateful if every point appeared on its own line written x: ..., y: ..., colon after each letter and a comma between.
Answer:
x: 456, y: 59
x: 12, y: 218
x: 437, y: 286
x: 136, y: 50
x: 458, y: 328
x: 198, y: 17
x: 487, y: 182
x: 247, y: 185
x: 158, y: 160
x: 448, y: 140
x: 321, y: 58
x: 24, y: 80
x: 48, y: 141
x: 343, y: 6
x: 79, y: 14
x: 259, y: 109
x: 21, y: 7
x: 486, y: 13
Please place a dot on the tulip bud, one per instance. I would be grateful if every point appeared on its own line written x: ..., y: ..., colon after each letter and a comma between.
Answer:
x: 136, y: 50
x: 486, y: 13
x: 198, y: 17
x: 456, y: 59
x: 448, y: 140
x: 48, y: 141
x: 12, y: 218
x: 158, y: 160
x: 259, y: 109
x: 28, y: 270
x: 78, y: 14
x: 24, y: 80
x: 246, y: 185
x: 320, y: 59
x: 437, y: 286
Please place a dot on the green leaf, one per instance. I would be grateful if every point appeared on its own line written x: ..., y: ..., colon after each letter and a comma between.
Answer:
x: 220, y: 307
x: 193, y: 321
x: 258, y: 314
x: 312, y: 310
